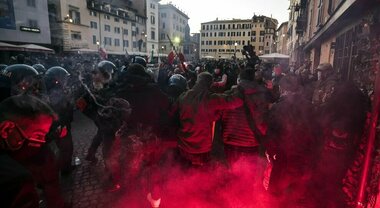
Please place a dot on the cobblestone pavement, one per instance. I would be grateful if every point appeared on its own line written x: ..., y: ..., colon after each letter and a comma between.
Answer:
x: 84, y: 188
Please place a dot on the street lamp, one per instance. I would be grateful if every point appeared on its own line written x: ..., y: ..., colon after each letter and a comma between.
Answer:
x: 235, y: 49
x: 98, y: 44
x: 177, y: 40
x: 67, y: 18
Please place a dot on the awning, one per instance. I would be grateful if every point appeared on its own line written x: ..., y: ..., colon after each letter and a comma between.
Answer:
x: 82, y: 50
x: 9, y: 47
x: 274, y: 55
x: 275, y: 58
x: 209, y: 57
x: 35, y: 48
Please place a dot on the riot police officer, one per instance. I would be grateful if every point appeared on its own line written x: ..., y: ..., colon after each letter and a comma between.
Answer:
x: 39, y: 68
x: 17, y: 79
x: 59, y: 99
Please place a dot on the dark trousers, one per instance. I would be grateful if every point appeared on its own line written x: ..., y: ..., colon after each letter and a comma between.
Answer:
x: 66, y: 150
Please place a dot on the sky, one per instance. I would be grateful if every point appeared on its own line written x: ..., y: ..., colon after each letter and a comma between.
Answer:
x: 208, y: 10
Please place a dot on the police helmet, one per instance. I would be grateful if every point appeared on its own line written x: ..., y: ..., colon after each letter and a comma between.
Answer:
x: 39, y: 68
x: 178, y: 81
x: 139, y: 60
x: 18, y: 72
x: 19, y: 77
x: 106, y: 68
x: 56, y: 76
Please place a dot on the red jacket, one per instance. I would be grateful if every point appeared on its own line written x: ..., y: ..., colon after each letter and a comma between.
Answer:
x: 195, y: 133
x: 235, y: 124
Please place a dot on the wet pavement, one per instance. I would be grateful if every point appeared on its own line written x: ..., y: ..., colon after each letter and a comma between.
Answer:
x: 84, y: 187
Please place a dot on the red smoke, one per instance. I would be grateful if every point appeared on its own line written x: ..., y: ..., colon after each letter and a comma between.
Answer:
x: 215, y: 186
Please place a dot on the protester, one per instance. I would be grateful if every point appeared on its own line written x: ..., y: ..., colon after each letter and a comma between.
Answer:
x: 24, y: 123
x: 197, y: 111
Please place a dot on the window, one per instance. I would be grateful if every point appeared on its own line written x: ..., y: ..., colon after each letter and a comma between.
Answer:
x: 133, y: 33
x: 153, y: 35
x: 267, y: 43
x: 163, y: 15
x: 117, y: 19
x: 152, y: 6
x: 75, y: 16
x: 107, y: 28
x: 243, y: 33
x: 163, y: 36
x: 76, y: 35
x: 117, y: 42
x: 94, y: 39
x: 92, y: 13
x: 320, y: 13
x: 203, y: 27
x: 117, y: 30
x: 152, y: 20
x: 125, y: 22
x: 94, y: 25
x: 163, y: 25
x: 31, y: 3
x: 134, y: 44
x: 32, y: 23
x: 125, y: 43
x: 125, y: 31
x: 262, y: 33
x: 107, y: 41
x: 261, y: 47
x: 106, y: 16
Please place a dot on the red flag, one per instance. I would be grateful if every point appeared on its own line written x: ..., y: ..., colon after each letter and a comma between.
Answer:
x: 171, y: 57
x: 181, y: 57
x: 103, y: 53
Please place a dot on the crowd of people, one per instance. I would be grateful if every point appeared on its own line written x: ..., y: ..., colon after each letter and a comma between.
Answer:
x: 308, y: 127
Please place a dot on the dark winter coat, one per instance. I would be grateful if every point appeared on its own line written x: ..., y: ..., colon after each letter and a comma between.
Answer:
x: 292, y: 137
x: 149, y: 104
